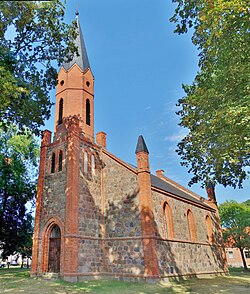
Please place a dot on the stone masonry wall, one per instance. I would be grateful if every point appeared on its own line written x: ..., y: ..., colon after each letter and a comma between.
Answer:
x: 90, y: 217
x: 53, y: 200
x: 180, y: 255
x: 188, y: 258
x: 124, y: 252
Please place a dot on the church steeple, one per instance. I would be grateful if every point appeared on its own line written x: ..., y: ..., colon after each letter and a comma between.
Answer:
x: 75, y: 90
x: 82, y: 59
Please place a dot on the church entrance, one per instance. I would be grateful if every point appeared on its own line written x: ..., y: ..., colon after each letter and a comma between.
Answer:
x: 54, y: 250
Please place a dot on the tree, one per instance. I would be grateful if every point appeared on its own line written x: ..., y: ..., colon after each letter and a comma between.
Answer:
x: 25, y: 236
x: 18, y: 170
x: 247, y: 202
x: 27, y: 61
x: 235, y: 219
x: 216, y: 106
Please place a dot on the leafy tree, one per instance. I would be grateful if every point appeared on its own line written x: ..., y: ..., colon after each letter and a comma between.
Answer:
x: 216, y: 106
x: 247, y: 202
x: 235, y: 219
x: 18, y: 169
x: 25, y: 235
x: 27, y: 61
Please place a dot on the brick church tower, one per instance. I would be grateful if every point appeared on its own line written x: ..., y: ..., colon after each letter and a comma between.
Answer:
x: 55, y: 241
x: 98, y: 216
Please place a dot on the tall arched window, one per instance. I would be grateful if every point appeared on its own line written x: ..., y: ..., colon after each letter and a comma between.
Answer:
x: 191, y: 225
x: 87, y: 112
x: 53, y: 163
x: 93, y: 164
x: 210, y: 234
x: 60, y: 159
x: 85, y: 163
x: 168, y: 221
x: 60, y: 113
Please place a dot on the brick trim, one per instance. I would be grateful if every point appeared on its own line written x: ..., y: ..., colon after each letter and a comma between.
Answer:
x: 72, y: 198
x: 46, y: 139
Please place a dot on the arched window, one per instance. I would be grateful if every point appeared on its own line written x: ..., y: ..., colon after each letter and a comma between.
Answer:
x: 93, y: 164
x: 210, y: 234
x: 168, y: 221
x: 60, y: 113
x: 53, y: 163
x: 60, y: 159
x: 87, y: 112
x: 85, y: 163
x: 191, y: 225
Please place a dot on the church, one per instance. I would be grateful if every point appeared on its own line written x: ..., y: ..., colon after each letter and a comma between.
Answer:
x: 100, y: 217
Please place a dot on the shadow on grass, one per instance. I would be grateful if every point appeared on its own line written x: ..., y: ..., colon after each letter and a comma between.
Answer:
x: 18, y: 280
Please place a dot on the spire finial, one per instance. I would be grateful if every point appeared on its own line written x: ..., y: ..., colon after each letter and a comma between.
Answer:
x: 82, y: 58
x: 141, y: 145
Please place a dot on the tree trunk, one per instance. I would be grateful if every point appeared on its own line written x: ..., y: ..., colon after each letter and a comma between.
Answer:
x: 243, y: 258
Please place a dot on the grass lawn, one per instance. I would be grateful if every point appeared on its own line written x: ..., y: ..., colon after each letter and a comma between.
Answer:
x: 18, y: 281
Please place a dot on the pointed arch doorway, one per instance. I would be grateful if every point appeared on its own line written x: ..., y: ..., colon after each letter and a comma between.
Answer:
x: 54, y: 250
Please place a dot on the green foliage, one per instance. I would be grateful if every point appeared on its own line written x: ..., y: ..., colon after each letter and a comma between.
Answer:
x: 216, y: 108
x: 27, y: 61
x: 247, y: 202
x: 235, y: 219
x: 18, y: 170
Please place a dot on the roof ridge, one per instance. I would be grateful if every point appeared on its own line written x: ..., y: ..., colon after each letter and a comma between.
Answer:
x: 179, y: 186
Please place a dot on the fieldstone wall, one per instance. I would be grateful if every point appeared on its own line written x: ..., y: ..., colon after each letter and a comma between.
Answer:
x: 89, y: 256
x: 188, y: 258
x: 89, y: 197
x: 180, y: 255
x: 53, y: 200
x: 124, y: 256
x: 122, y: 219
x: 90, y: 216
x: 179, y: 213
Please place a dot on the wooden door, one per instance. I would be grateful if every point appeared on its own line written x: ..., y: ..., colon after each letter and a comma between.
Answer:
x: 54, y: 254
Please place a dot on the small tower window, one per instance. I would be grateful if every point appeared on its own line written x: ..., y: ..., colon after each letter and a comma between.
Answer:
x: 93, y: 165
x: 60, y: 114
x: 88, y: 112
x: 60, y: 159
x: 88, y: 83
x: 85, y: 163
x: 53, y: 163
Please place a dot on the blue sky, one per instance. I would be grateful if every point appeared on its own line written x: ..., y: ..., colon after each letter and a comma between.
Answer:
x: 139, y: 66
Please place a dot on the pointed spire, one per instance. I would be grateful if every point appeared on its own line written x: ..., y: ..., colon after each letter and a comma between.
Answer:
x: 82, y: 60
x: 141, y: 145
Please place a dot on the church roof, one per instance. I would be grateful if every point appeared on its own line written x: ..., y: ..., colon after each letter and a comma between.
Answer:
x: 167, y: 187
x: 82, y: 60
x: 141, y: 145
